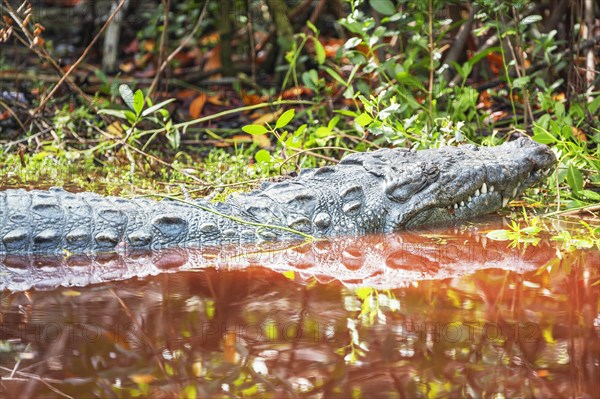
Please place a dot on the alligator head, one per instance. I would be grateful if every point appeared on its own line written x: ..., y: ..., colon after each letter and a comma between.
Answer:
x: 393, y: 189
x: 450, y: 183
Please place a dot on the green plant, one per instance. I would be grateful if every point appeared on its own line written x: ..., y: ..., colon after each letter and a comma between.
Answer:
x: 142, y: 109
x: 517, y: 234
x: 587, y: 238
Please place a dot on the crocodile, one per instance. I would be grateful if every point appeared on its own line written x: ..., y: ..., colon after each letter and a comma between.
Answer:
x: 375, y: 192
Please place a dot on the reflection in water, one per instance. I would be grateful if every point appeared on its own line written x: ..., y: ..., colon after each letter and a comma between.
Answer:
x: 378, y: 261
x: 429, y: 314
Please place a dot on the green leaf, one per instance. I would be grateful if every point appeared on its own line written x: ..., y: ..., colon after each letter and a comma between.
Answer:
x: 190, y: 392
x: 285, y: 118
x: 300, y: 130
x: 482, y: 54
x: 594, y: 105
x: 310, y: 78
x: 363, y: 119
x: 156, y: 107
x: 499, y: 235
x: 101, y: 75
x: 352, y: 42
x: 409, y: 80
x: 385, y: 7
x: 520, y: 82
x: 312, y: 27
x: 335, y: 75
x: 333, y: 122
x: 387, y: 112
x: 126, y: 95
x: 138, y: 102
x: 290, y: 274
x: 174, y: 138
x: 263, y: 156
x: 594, y: 196
x: 363, y: 292
x: 543, y: 136
x: 346, y: 112
x: 530, y: 19
x: 574, y: 178
x: 322, y: 132
x: 118, y: 113
x: 319, y: 50
x: 255, y: 129
x: 531, y: 230
x: 130, y: 116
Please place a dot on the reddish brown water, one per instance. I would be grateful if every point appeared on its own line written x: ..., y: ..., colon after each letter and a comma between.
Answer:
x: 411, y: 315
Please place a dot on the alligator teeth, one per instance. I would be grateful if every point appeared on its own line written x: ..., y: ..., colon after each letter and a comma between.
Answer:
x: 470, y: 198
x: 483, y: 188
x: 455, y: 206
x: 504, y: 202
x: 491, y: 189
x: 477, y: 193
x: 514, y: 192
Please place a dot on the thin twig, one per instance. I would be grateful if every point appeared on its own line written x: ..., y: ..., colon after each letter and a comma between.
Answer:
x: 80, y: 60
x: 311, y: 152
x: 43, y: 54
x: 431, y: 63
x: 183, y: 43
x: 13, y: 114
x: 45, y: 381
x: 573, y: 211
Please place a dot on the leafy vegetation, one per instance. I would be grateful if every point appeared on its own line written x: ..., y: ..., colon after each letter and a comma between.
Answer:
x: 379, y: 73
x: 210, y: 97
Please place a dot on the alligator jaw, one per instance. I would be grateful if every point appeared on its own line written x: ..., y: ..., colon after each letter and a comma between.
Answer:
x: 486, y: 180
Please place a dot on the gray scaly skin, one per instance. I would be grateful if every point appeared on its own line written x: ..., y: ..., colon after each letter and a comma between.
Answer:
x: 381, y: 191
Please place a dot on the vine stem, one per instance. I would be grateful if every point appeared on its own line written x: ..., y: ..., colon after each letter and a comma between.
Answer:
x: 185, y: 125
x: 431, y: 62
x: 591, y: 208
x: 234, y: 218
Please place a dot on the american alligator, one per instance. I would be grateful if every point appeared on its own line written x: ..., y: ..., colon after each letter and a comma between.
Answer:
x: 382, y: 191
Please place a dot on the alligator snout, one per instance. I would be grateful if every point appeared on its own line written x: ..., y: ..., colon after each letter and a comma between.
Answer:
x: 541, y: 156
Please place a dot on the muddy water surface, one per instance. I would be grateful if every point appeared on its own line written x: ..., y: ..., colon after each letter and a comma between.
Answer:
x: 436, y: 313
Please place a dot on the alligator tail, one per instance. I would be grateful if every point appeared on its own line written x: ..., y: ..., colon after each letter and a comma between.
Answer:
x: 56, y: 220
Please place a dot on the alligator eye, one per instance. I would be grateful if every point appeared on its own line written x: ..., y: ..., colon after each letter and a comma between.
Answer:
x: 411, y: 182
x: 401, y: 190
x: 431, y: 171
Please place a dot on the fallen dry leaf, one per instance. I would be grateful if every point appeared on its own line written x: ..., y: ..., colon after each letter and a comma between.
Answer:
x: 578, y: 133
x: 212, y: 38
x: 268, y: 117
x: 126, y: 67
x: 197, y: 105
x: 142, y: 378
x: 215, y: 100
x: 495, y: 62
x: 251, y: 99
x: 115, y: 129
x: 262, y: 140
x: 296, y: 92
x: 185, y: 94
x: 213, y: 60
